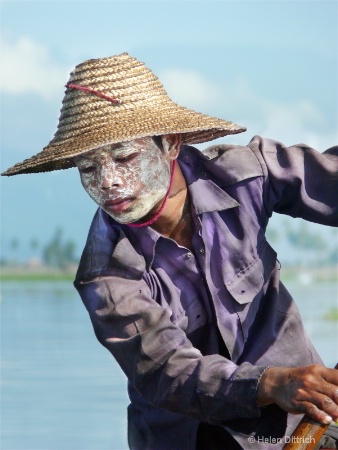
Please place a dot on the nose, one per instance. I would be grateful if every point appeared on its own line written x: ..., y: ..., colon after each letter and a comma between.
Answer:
x: 109, y: 177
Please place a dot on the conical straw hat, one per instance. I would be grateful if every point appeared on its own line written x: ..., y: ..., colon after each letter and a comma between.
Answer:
x: 116, y: 99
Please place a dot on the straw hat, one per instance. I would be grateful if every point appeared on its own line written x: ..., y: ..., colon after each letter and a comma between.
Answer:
x: 116, y: 99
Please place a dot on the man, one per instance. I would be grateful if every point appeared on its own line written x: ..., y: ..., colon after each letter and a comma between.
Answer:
x: 177, y: 276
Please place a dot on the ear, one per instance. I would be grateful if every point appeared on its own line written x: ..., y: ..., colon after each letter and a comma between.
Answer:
x: 171, y: 145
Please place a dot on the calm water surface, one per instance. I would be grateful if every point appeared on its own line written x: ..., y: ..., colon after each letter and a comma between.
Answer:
x: 62, y: 390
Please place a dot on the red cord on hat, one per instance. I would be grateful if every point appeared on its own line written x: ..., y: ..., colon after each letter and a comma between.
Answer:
x: 92, y: 91
x: 157, y: 215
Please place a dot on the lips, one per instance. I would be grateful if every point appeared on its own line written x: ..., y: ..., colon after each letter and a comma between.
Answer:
x: 117, y: 205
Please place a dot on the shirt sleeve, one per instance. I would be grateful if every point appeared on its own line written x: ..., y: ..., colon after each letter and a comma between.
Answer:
x: 160, y: 361
x: 299, y: 181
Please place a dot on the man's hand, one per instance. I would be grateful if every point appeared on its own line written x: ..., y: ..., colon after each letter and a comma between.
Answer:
x: 311, y: 390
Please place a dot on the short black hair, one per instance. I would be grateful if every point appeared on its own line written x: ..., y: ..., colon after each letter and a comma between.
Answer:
x: 158, y: 142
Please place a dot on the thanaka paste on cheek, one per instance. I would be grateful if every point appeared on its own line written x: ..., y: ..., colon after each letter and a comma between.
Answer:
x: 138, y: 183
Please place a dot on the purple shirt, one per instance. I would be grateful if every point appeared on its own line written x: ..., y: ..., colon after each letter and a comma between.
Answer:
x: 194, y: 329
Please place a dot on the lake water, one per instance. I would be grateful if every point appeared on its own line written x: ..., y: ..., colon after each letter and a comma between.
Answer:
x: 62, y: 390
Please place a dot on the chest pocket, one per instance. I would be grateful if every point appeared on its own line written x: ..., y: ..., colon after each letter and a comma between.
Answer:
x: 246, y: 284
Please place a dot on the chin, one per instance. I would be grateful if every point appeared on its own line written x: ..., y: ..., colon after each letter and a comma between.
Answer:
x: 124, y: 219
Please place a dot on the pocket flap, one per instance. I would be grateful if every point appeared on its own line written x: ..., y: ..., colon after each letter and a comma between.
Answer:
x: 249, y: 281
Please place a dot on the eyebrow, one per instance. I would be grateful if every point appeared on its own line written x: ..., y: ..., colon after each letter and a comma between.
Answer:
x: 81, y: 157
x: 115, y: 147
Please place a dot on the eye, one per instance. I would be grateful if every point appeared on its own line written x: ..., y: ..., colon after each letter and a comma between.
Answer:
x: 125, y: 158
x: 87, y: 170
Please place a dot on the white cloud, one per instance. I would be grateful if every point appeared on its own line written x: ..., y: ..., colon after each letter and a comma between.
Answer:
x: 297, y: 122
x: 291, y: 122
x: 187, y: 87
x: 27, y: 67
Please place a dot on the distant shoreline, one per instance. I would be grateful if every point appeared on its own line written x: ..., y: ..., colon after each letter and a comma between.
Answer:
x: 36, y: 274
x: 304, y: 275
x: 36, y: 277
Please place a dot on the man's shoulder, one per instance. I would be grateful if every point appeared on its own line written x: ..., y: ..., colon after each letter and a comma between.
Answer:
x: 233, y: 163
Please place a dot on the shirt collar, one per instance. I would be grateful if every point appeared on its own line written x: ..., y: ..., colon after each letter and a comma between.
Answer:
x: 147, y: 239
x: 206, y: 195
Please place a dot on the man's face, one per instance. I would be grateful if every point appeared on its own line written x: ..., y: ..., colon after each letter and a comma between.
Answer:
x: 127, y: 179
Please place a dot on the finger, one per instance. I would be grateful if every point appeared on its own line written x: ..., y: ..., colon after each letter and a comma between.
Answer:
x: 319, y: 379
x: 327, y: 405
x: 330, y: 391
x: 329, y: 375
x: 315, y: 413
x: 321, y: 405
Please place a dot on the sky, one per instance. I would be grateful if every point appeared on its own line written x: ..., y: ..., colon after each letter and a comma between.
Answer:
x: 268, y: 65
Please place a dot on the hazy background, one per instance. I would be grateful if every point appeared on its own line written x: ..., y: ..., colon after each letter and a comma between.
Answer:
x: 268, y: 65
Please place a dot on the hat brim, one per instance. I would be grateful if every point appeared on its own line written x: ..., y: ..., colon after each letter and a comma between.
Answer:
x: 193, y: 127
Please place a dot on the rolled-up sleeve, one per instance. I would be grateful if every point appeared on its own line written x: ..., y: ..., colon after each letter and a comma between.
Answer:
x: 158, y: 358
x: 299, y: 181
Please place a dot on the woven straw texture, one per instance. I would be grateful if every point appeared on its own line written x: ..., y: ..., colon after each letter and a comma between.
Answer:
x: 88, y: 121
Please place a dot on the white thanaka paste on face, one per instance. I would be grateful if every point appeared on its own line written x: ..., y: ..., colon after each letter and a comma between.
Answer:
x: 136, y: 173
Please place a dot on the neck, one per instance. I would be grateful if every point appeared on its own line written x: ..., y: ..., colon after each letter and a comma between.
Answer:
x: 175, y: 219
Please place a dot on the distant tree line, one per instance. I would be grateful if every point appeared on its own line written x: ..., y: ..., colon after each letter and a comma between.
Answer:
x: 312, y: 248
x: 57, y: 252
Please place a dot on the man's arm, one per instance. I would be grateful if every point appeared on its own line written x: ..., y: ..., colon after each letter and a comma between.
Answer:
x: 170, y: 373
x: 299, y: 181
x: 160, y: 361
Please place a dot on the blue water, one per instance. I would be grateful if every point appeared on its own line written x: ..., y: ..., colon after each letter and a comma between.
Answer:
x: 62, y: 390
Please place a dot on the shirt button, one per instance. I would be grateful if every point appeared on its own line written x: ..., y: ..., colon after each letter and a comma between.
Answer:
x: 188, y: 255
x: 202, y: 251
